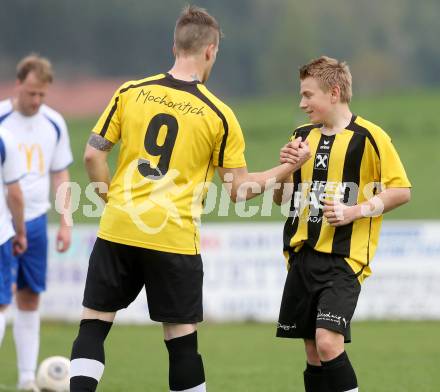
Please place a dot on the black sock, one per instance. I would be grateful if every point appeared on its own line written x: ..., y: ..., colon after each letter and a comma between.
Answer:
x: 89, y: 345
x: 186, y: 366
x: 340, y: 374
x: 314, y: 379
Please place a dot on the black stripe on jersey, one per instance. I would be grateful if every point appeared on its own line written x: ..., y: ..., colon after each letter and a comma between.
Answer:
x: 109, y: 118
x: 189, y: 87
x: 364, y: 131
x: 292, y: 222
x: 115, y: 105
x: 319, y: 179
x: 373, y: 142
x: 351, y: 173
x: 206, y: 176
x: 306, y: 129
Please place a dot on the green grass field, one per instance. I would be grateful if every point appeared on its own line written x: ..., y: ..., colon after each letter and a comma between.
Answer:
x: 267, y: 124
x: 388, y: 357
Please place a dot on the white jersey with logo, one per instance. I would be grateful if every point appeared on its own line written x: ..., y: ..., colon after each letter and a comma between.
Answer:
x: 11, y: 170
x: 43, y: 142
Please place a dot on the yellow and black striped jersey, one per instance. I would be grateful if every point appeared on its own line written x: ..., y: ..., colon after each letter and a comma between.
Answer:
x: 173, y: 134
x: 351, y: 166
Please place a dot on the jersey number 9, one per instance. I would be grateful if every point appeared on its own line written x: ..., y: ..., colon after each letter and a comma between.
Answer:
x: 153, y: 148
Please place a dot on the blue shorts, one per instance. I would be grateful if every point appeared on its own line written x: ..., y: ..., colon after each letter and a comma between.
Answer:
x: 6, y: 261
x: 30, y: 267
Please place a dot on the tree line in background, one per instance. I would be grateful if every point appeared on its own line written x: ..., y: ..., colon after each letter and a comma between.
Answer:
x: 390, y: 45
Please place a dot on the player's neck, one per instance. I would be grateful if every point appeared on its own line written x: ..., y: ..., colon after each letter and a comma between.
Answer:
x: 187, y: 69
x: 337, y: 121
x: 19, y: 108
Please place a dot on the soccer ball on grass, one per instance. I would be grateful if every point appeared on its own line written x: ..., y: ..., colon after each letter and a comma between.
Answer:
x: 54, y: 374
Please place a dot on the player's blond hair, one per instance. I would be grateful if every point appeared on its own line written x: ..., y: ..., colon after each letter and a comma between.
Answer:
x: 329, y: 72
x: 40, y: 66
x: 195, y: 28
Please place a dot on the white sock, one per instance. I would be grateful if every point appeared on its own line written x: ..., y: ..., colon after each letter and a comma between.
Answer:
x: 2, y: 326
x: 198, y: 388
x: 27, y: 341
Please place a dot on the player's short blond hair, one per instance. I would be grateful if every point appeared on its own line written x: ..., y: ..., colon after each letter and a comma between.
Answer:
x: 40, y: 66
x: 329, y: 72
x: 195, y: 28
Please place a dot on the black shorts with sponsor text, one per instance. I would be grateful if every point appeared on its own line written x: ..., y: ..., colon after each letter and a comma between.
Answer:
x: 321, y: 291
x: 173, y: 282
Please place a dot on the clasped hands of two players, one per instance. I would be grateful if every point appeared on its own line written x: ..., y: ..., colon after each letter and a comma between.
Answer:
x: 336, y: 213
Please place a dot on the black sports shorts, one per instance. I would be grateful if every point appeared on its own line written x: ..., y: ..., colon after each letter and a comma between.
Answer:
x: 321, y: 291
x: 173, y: 282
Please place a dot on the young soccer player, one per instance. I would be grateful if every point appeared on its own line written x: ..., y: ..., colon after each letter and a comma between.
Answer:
x: 355, y: 175
x: 43, y: 142
x: 174, y: 133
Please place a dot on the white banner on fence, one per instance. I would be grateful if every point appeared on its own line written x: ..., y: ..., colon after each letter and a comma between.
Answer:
x: 245, y: 273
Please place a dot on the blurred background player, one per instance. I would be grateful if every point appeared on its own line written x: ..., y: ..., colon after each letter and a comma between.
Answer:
x: 174, y: 133
x: 11, y: 203
x: 331, y: 235
x: 43, y: 141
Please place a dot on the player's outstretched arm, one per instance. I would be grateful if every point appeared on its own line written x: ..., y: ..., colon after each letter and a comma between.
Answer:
x: 16, y: 206
x: 242, y: 185
x: 95, y: 160
x: 283, y: 193
x: 338, y: 214
x: 297, y: 153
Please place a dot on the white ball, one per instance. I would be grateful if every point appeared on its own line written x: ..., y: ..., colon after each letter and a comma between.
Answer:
x: 54, y: 374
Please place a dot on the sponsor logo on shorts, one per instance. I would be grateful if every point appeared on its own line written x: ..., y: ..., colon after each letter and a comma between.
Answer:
x: 333, y: 318
x: 286, y: 328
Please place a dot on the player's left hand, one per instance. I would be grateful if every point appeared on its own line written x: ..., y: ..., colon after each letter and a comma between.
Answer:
x: 338, y: 214
x: 289, y: 152
x: 19, y: 244
x: 64, y: 238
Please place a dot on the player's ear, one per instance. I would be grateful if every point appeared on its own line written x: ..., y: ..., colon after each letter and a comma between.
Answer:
x: 174, y: 50
x: 209, y: 52
x: 335, y: 94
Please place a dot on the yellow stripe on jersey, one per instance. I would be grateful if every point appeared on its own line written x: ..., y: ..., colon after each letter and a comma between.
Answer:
x: 173, y: 134
x: 335, y: 173
x: 352, y: 165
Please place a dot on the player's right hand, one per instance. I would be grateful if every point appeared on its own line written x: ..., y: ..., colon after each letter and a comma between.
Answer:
x: 19, y: 244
